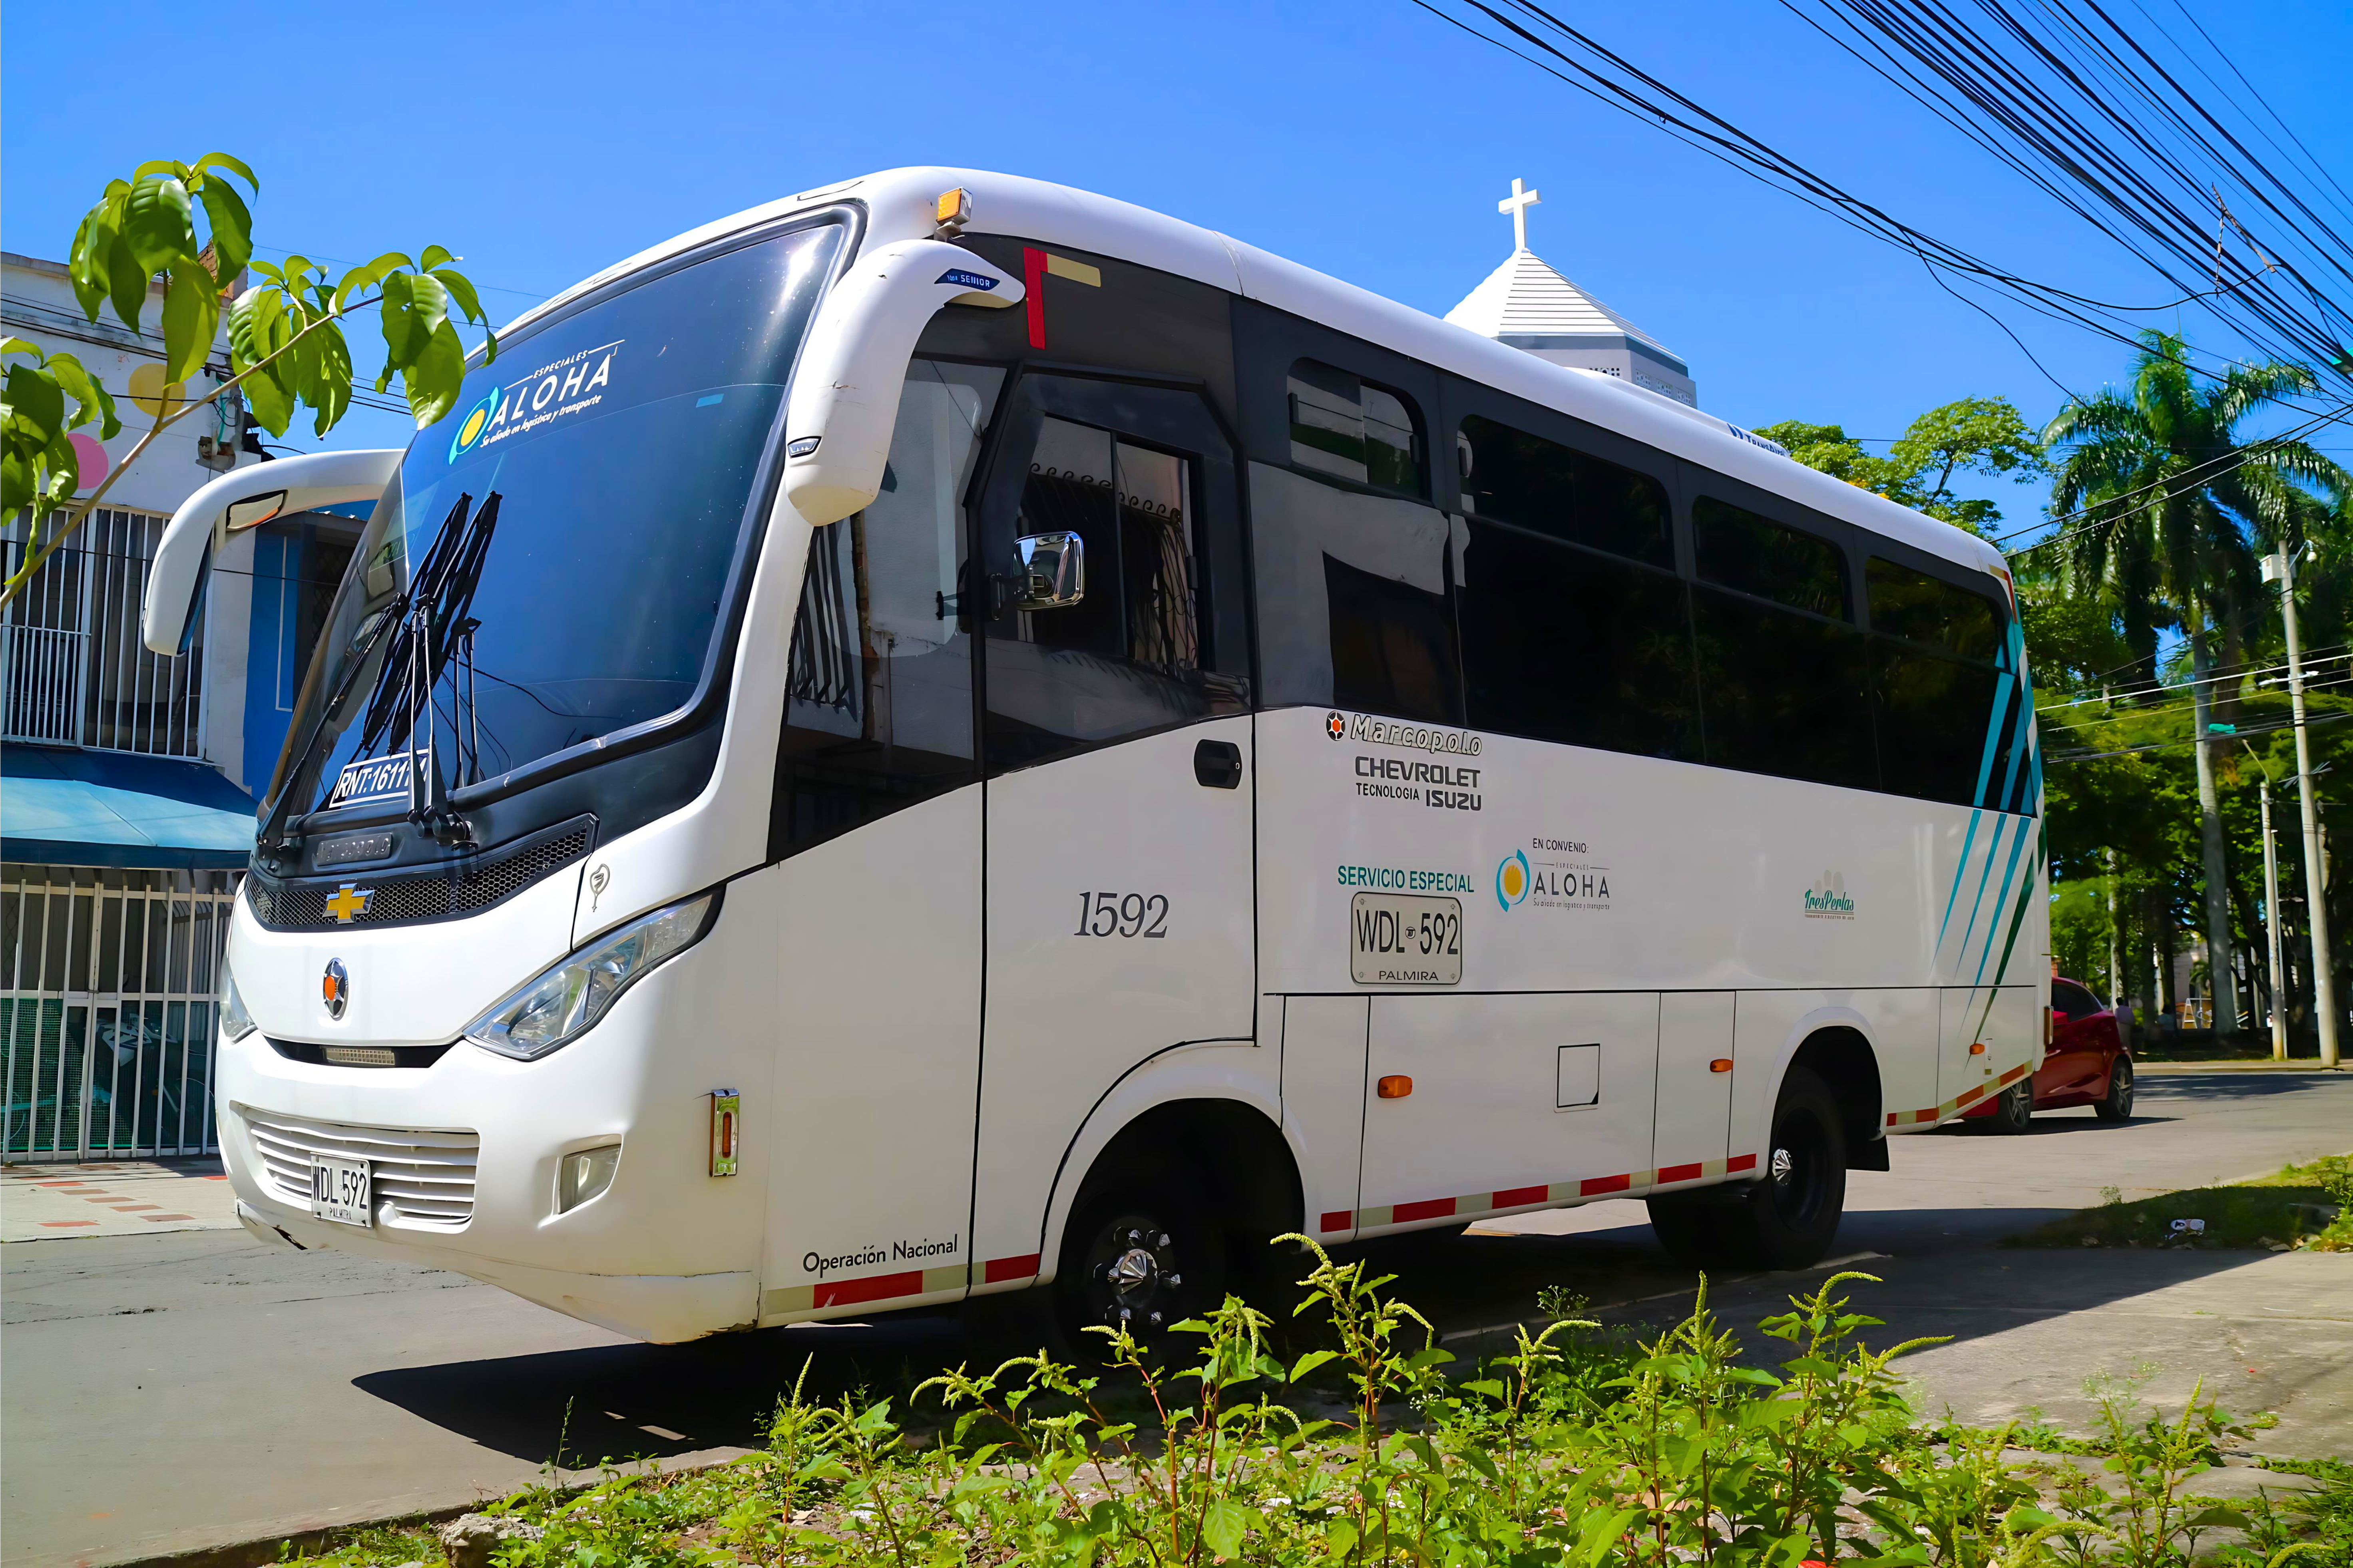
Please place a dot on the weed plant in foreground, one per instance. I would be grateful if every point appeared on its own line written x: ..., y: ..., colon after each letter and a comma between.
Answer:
x: 1572, y: 1449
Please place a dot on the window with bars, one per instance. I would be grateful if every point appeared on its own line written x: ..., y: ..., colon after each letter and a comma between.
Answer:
x: 73, y: 670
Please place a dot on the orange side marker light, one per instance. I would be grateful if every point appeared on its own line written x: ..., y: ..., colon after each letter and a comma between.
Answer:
x: 1721, y: 1064
x: 1394, y: 1086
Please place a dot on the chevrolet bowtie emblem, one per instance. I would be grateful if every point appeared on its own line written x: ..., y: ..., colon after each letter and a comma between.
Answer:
x: 349, y: 903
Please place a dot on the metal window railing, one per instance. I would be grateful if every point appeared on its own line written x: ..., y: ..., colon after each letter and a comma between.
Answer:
x: 109, y: 983
x: 73, y: 668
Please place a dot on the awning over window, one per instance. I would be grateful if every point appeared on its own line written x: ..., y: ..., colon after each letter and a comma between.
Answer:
x: 60, y: 806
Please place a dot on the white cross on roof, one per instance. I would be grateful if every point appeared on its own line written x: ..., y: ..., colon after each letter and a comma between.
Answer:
x: 1517, y: 203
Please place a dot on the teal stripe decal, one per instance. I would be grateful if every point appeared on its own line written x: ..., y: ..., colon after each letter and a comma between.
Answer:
x: 2016, y: 845
x: 2017, y: 921
x: 1993, y: 848
x: 1959, y: 871
x: 1993, y: 732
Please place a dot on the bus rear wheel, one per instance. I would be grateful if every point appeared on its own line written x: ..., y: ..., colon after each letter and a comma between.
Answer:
x: 1788, y: 1219
x: 1144, y: 1256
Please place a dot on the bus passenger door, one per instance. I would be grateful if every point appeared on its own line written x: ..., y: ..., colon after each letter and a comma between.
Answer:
x: 1118, y: 747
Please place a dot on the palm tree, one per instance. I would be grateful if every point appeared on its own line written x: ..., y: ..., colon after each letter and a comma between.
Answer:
x: 2189, y: 500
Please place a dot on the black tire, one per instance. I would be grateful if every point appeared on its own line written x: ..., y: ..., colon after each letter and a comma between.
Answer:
x: 2013, y: 1108
x: 1788, y: 1219
x: 1139, y: 1250
x: 2117, y: 1103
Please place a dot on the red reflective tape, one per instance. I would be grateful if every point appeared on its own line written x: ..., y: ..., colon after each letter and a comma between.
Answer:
x: 1593, y: 1184
x: 1428, y: 1208
x: 1512, y: 1197
x: 1033, y: 279
x: 1338, y: 1219
x: 997, y: 1269
x: 1968, y: 1095
x: 1679, y: 1173
x: 873, y: 1287
x: 1740, y: 1162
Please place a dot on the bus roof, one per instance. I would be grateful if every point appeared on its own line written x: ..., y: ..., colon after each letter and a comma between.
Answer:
x: 900, y: 205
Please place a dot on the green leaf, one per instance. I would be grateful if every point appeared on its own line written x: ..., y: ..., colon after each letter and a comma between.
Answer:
x: 359, y: 279
x: 126, y: 284
x: 330, y: 392
x: 461, y: 293
x: 191, y: 317
x: 93, y: 399
x: 415, y: 307
x: 18, y: 347
x: 232, y: 228
x: 1310, y: 1361
x: 86, y: 262
x: 159, y: 223
x: 1225, y: 1522
x: 236, y: 166
x: 35, y: 397
x: 434, y: 256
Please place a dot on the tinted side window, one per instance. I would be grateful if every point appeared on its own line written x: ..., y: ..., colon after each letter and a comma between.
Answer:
x: 1514, y: 477
x: 1739, y: 548
x: 1783, y: 693
x: 1937, y: 732
x: 1924, y: 610
x: 1356, y: 599
x: 1344, y: 426
x: 1563, y: 644
x: 2072, y: 1000
x: 878, y: 714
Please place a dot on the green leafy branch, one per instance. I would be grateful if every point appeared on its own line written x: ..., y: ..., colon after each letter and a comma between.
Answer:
x: 287, y: 344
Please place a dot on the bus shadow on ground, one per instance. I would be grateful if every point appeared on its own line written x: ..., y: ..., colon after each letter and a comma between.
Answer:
x: 627, y: 1403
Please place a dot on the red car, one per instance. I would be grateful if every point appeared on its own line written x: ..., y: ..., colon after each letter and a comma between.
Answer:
x: 2085, y: 1063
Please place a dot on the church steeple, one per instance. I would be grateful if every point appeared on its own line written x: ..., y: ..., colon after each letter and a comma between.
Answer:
x: 1527, y: 304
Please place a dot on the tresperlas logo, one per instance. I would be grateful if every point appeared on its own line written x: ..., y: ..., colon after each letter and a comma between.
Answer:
x: 1512, y: 880
x: 1829, y: 899
x: 1335, y: 726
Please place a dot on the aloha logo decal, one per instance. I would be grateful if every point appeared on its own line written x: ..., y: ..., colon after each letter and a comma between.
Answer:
x: 1827, y: 899
x: 1512, y: 879
x: 572, y: 384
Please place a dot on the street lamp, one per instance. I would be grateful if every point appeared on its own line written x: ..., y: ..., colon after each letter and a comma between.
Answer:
x: 2280, y: 567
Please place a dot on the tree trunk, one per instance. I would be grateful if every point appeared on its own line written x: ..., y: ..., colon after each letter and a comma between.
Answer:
x: 2116, y: 930
x: 2210, y: 828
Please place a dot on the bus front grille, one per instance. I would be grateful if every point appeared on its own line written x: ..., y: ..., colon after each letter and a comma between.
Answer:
x: 417, y: 1178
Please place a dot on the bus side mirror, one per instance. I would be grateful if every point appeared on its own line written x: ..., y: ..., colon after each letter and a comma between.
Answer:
x: 1051, y: 572
x: 844, y: 396
x: 242, y: 498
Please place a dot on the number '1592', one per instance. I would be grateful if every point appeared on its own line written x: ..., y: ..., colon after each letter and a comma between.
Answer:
x: 1123, y: 914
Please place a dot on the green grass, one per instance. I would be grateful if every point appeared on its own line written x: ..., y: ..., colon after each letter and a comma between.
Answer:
x: 2266, y: 1213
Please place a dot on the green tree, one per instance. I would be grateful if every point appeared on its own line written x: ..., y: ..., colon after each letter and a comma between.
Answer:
x: 189, y: 225
x: 1973, y: 436
x: 2172, y: 499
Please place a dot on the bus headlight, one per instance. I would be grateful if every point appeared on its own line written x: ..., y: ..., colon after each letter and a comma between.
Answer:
x: 234, y: 1021
x: 564, y: 1002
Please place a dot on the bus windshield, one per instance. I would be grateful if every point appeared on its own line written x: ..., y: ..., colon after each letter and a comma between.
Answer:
x: 552, y: 562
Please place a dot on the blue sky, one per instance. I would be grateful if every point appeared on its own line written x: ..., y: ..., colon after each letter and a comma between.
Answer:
x: 1369, y: 140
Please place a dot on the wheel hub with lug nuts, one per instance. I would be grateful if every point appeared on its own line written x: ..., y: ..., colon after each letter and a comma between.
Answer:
x: 1145, y: 1264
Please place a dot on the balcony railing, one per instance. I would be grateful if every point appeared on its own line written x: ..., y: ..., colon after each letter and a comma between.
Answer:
x: 73, y: 670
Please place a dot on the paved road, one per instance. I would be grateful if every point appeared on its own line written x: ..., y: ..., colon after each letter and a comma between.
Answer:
x: 179, y: 1390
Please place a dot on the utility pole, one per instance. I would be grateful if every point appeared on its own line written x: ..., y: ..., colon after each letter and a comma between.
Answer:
x: 2280, y: 567
x: 2272, y: 914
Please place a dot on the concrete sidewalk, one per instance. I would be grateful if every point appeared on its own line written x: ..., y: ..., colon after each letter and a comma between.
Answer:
x: 131, y: 1197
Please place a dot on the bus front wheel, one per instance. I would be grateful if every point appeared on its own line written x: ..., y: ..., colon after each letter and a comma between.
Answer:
x: 1787, y: 1219
x: 1142, y: 1256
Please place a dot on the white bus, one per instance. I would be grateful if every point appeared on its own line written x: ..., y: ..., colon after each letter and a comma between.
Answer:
x: 978, y: 737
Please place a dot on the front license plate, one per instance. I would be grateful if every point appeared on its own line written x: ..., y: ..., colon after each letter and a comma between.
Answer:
x: 339, y: 1191
x: 1404, y: 939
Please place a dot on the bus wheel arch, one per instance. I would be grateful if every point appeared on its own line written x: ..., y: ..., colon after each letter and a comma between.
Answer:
x: 1181, y: 1196
x: 1842, y: 1056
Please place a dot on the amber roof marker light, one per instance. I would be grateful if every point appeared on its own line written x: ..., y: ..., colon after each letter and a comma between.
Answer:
x: 950, y: 212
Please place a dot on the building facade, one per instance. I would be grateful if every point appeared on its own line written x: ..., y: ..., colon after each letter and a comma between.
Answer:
x: 128, y: 779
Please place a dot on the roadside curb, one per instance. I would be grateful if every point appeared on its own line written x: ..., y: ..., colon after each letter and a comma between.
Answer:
x: 2144, y: 1067
x: 258, y: 1551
